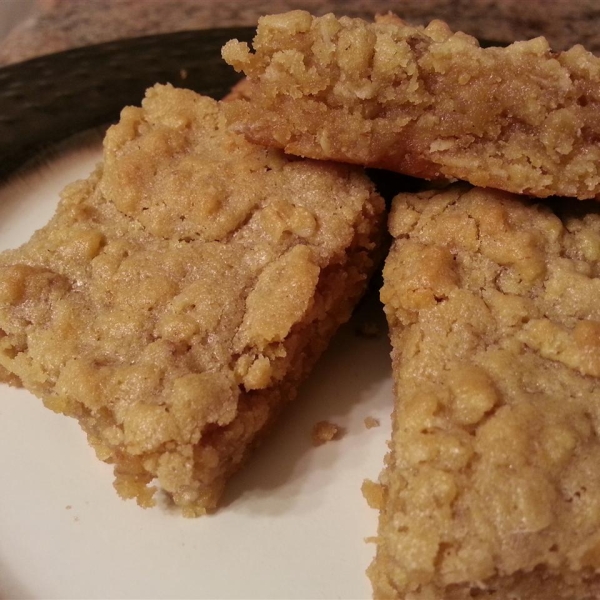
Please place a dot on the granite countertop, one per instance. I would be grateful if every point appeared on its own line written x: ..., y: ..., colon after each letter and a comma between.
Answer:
x: 61, y: 24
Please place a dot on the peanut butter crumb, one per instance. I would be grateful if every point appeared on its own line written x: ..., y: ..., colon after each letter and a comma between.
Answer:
x: 325, y: 431
x: 371, y: 422
x: 372, y: 493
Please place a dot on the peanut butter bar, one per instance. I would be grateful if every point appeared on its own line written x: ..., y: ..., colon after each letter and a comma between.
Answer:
x: 423, y: 101
x: 492, y: 484
x: 180, y: 294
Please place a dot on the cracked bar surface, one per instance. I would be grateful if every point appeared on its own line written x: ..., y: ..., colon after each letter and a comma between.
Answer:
x: 180, y: 294
x: 491, y: 487
x: 423, y: 101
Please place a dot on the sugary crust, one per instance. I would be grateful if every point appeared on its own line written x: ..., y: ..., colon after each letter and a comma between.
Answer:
x: 181, y: 293
x: 491, y: 487
x: 423, y: 101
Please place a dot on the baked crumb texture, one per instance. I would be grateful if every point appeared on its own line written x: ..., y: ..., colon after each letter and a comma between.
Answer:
x: 492, y: 486
x: 325, y: 431
x: 423, y: 101
x: 371, y: 422
x: 373, y: 493
x: 181, y: 293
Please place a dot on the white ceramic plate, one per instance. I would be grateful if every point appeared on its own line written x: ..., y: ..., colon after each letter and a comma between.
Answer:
x: 292, y: 524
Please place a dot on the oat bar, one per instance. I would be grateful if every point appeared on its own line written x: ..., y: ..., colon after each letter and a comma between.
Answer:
x: 423, y: 101
x: 492, y: 484
x: 181, y: 293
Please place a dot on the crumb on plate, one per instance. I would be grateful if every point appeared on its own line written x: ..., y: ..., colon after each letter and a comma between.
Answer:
x: 325, y: 431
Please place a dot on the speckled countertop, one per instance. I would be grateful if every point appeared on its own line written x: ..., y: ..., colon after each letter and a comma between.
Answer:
x: 61, y: 24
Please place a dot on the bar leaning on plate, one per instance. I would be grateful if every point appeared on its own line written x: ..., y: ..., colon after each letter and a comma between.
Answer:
x: 181, y: 293
x: 492, y: 484
x: 423, y: 101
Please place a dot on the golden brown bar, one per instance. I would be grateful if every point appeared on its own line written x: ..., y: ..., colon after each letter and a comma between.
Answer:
x: 423, y: 101
x: 492, y: 484
x: 181, y: 293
